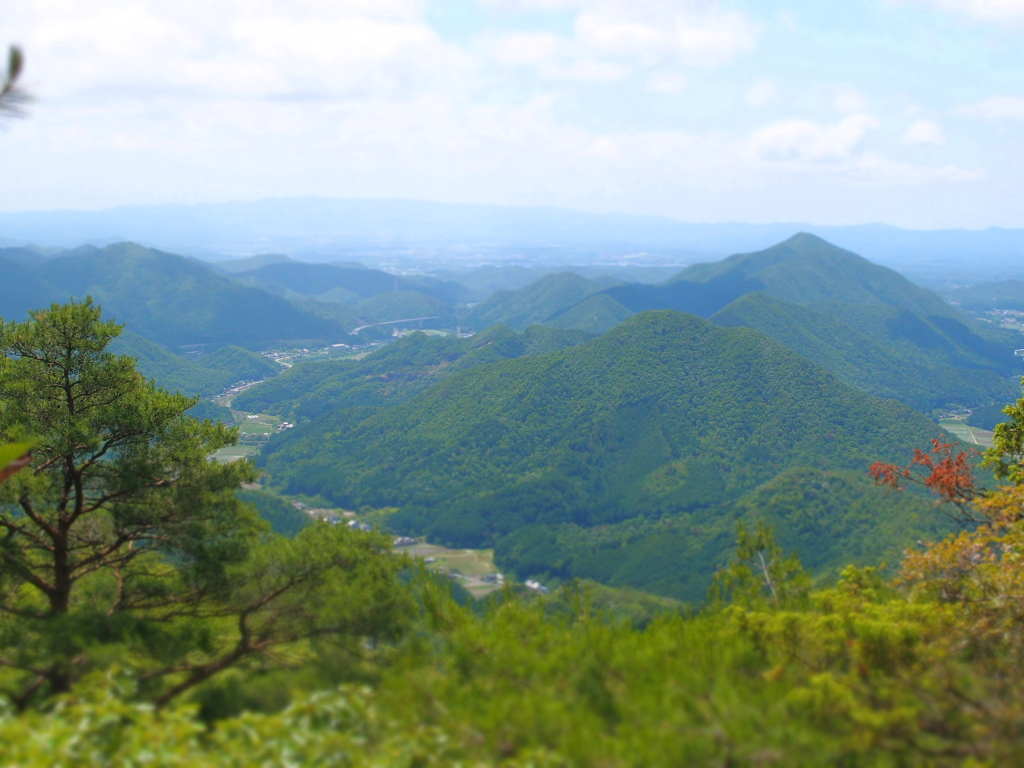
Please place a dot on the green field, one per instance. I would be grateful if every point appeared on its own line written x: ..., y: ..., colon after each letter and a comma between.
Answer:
x: 967, y: 433
x: 468, y: 565
x: 252, y: 434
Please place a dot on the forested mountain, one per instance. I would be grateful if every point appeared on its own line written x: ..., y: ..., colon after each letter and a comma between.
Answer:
x: 595, y: 314
x: 832, y: 518
x: 400, y: 305
x: 1004, y: 294
x: 838, y: 309
x: 665, y: 416
x: 345, y: 284
x: 173, y: 300
x: 875, y: 362
x: 208, y: 375
x: 30, y: 255
x: 234, y: 266
x: 22, y: 290
x: 808, y: 270
x: 534, y: 303
x: 391, y: 375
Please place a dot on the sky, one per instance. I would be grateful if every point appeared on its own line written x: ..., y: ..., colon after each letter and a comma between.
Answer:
x: 907, y: 112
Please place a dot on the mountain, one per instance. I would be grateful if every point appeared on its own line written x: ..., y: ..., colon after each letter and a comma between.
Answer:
x: 394, y: 373
x: 401, y: 305
x: 832, y: 518
x: 595, y: 314
x: 665, y: 416
x: 1004, y: 294
x: 206, y: 376
x: 896, y: 320
x: 22, y: 290
x: 534, y: 303
x: 356, y: 283
x: 234, y: 266
x: 30, y: 255
x: 803, y: 269
x: 324, y: 228
x: 867, y: 361
x: 177, y: 301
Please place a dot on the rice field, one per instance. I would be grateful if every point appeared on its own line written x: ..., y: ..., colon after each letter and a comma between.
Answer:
x: 470, y: 567
x: 966, y: 433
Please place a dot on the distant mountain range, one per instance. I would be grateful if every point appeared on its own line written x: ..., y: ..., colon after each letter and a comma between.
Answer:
x: 412, y: 231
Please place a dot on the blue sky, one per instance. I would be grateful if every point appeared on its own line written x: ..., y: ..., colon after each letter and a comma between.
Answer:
x: 901, y: 111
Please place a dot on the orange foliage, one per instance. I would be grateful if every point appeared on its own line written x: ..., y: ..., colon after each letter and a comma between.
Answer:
x: 948, y: 474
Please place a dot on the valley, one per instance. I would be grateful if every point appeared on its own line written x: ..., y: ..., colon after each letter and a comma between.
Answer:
x: 578, y: 426
x: 572, y: 451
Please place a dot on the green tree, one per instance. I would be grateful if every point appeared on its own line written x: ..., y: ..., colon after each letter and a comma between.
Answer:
x: 759, y: 572
x: 125, y: 543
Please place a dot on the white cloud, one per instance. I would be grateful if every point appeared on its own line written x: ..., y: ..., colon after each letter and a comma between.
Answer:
x: 553, y: 57
x: 923, y: 132
x: 118, y: 49
x: 849, y: 101
x: 987, y: 10
x: 809, y: 141
x: 996, y: 108
x: 762, y: 93
x: 668, y: 83
x: 649, y: 31
x: 612, y: 37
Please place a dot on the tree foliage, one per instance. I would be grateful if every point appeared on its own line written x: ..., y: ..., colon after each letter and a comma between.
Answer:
x: 124, y: 535
x: 13, y: 98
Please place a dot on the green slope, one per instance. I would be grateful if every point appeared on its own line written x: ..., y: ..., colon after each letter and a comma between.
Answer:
x: 808, y: 270
x: 316, y: 280
x: 665, y: 415
x: 931, y: 340
x: 902, y: 320
x: 22, y: 290
x: 394, y: 373
x: 831, y: 518
x: 236, y: 266
x: 881, y: 366
x: 533, y: 303
x: 400, y: 305
x: 177, y: 301
x: 989, y: 416
x: 595, y: 314
x: 207, y: 376
x: 1004, y: 294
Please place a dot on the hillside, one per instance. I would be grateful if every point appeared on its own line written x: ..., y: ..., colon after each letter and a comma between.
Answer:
x: 350, y: 283
x: 1004, y: 294
x: 234, y: 266
x: 401, y: 305
x: 808, y: 270
x: 867, y: 361
x: 396, y: 372
x: 22, y: 290
x: 177, y: 301
x: 895, y: 319
x: 665, y: 415
x: 534, y: 303
x: 803, y: 270
x: 595, y: 314
x: 831, y: 518
x: 209, y: 375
